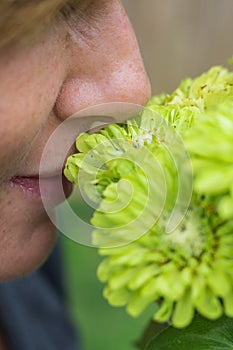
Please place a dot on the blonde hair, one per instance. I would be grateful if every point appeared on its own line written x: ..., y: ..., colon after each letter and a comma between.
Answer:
x: 19, y: 19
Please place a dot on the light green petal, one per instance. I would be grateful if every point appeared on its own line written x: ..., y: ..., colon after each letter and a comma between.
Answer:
x: 170, y: 285
x: 225, y: 207
x: 138, y: 304
x: 184, y: 311
x: 187, y: 276
x: 121, y: 278
x: 133, y: 257
x: 115, y: 131
x: 223, y: 264
x: 228, y: 304
x: 198, y: 286
x: 142, y: 276
x: 151, y: 288
x: 119, y: 297
x: 214, y: 181
x: 81, y: 145
x: 208, y: 305
x: 105, y: 270
x: 93, y: 141
x: 71, y: 172
x: 220, y: 283
x: 164, y: 312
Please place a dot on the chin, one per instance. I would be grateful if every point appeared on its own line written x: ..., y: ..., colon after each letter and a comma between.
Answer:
x: 27, y: 250
x: 27, y: 235
x: 37, y: 250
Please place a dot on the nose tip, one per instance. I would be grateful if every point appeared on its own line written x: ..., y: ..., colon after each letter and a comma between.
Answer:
x: 131, y: 84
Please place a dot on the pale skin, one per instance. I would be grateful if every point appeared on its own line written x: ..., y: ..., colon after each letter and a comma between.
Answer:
x: 93, y: 60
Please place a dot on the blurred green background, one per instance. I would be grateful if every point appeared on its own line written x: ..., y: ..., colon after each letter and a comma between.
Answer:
x: 99, y: 326
x: 177, y: 38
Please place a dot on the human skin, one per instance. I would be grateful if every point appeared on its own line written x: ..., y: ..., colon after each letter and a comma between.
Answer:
x: 95, y: 59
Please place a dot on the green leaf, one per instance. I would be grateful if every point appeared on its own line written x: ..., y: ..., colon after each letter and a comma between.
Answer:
x: 202, y: 334
x: 150, y: 332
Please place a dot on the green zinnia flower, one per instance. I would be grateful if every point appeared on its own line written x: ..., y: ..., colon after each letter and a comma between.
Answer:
x: 159, y: 242
x: 188, y: 270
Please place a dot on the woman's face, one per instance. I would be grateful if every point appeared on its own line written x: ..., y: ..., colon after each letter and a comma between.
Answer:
x: 67, y: 68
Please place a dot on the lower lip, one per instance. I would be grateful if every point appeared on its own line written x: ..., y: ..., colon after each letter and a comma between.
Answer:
x: 53, y: 189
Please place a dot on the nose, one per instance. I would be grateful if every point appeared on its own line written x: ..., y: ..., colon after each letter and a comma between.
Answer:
x: 105, y: 64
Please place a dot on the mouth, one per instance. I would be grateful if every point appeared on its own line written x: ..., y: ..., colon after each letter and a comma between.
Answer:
x: 53, y: 189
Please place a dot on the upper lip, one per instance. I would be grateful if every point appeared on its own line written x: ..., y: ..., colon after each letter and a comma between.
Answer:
x: 49, y: 173
x: 43, y: 175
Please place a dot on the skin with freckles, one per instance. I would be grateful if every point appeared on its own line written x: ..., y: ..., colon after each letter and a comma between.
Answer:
x: 91, y: 59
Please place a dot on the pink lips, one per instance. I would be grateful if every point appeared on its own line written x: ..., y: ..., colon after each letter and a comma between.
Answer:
x: 53, y: 189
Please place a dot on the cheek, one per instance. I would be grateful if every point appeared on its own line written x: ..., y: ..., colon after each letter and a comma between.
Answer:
x: 29, y: 86
x: 22, y: 120
x: 16, y: 138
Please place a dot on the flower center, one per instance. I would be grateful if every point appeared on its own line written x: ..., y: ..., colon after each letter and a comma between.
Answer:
x: 188, y: 235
